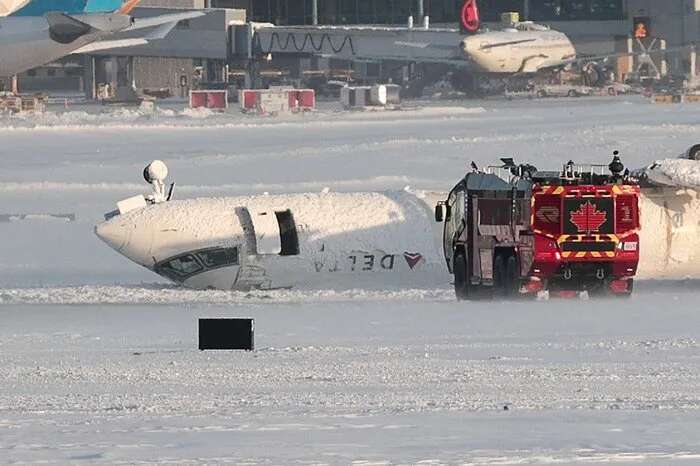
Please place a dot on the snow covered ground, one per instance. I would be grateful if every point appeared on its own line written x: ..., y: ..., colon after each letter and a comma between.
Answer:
x: 98, y: 359
x: 366, y: 381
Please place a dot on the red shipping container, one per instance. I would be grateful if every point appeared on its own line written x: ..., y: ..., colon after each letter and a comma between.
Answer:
x: 306, y: 99
x: 293, y: 99
x: 198, y: 99
x: 249, y: 99
x: 217, y: 99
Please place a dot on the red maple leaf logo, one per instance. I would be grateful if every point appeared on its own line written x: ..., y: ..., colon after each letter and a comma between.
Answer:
x: 587, y: 218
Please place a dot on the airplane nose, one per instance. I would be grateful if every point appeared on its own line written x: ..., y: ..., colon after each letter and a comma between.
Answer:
x: 471, y: 49
x: 129, y: 238
x: 468, y: 46
x: 112, y: 233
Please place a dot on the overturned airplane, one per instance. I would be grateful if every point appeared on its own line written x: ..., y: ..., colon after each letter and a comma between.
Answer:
x: 280, y: 241
x: 351, y: 239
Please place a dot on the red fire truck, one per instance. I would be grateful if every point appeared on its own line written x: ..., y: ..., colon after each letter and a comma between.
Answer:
x: 513, y: 230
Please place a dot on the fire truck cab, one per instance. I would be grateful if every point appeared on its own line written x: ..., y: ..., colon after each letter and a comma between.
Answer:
x: 513, y: 230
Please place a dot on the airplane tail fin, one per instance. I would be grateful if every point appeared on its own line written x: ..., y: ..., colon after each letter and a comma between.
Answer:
x: 128, y: 6
x: 469, y: 19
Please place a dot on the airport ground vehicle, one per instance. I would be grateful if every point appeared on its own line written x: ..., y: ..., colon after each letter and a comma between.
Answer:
x: 514, y: 230
x: 562, y: 90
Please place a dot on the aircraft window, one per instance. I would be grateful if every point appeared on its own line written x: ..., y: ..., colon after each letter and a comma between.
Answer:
x: 288, y: 233
x: 180, y: 267
x: 219, y: 257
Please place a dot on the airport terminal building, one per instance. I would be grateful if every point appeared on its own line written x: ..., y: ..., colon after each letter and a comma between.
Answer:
x: 200, y: 50
x: 676, y: 21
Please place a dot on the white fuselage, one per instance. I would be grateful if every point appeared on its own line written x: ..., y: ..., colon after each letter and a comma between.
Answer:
x: 512, y: 51
x: 30, y: 41
x: 26, y: 42
x: 347, y: 239
x: 670, y: 235
x: 318, y: 239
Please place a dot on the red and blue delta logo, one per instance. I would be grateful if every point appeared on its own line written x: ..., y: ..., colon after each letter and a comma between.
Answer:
x: 412, y: 259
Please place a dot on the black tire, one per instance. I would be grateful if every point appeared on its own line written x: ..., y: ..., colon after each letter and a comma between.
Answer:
x: 541, y: 93
x: 572, y: 93
x: 694, y: 153
x: 499, y: 275
x: 511, y: 283
x: 627, y: 294
x: 459, y: 270
x: 603, y: 291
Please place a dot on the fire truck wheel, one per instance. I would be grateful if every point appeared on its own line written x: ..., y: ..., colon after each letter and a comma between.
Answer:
x: 510, y: 283
x: 628, y: 293
x: 460, y: 276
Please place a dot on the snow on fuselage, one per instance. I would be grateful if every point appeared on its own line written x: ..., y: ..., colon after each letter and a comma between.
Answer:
x: 273, y: 241
x: 670, y: 235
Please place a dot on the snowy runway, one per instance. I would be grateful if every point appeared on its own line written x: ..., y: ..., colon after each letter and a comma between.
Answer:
x: 400, y: 381
x: 98, y: 359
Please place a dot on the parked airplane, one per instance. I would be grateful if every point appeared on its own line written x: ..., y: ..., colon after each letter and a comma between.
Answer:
x: 71, y: 7
x: 27, y: 42
x: 517, y: 49
x: 523, y: 48
x: 520, y: 48
x: 341, y: 239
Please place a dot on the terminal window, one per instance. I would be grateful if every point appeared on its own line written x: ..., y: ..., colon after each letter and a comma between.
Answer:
x: 298, y: 12
x: 294, y: 12
x: 576, y: 10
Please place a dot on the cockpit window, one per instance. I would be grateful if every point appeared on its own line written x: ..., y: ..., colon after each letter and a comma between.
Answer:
x: 218, y: 257
x: 180, y: 267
